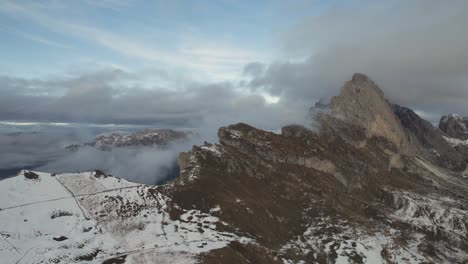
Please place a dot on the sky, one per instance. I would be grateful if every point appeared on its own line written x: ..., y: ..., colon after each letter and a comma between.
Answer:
x: 186, y: 63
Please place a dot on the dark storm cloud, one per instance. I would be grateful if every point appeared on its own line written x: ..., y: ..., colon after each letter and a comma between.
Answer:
x: 415, y: 50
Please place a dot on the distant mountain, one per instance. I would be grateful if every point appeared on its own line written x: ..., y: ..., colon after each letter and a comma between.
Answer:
x: 148, y: 137
x: 434, y: 146
x: 454, y: 126
x: 368, y: 188
x: 18, y: 133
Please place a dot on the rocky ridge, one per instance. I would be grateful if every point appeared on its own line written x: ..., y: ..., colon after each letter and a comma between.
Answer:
x: 363, y: 190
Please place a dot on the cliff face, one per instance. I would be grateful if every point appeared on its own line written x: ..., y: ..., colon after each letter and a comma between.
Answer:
x: 360, y: 191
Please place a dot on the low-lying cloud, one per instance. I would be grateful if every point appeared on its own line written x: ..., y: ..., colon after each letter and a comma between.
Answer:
x: 42, y: 148
x: 142, y: 165
x: 415, y: 50
x: 29, y: 149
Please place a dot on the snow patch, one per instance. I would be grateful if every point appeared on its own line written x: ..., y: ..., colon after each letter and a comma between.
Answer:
x: 456, y: 142
x: 212, y: 148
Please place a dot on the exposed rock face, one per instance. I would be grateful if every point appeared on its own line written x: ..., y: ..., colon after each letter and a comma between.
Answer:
x: 362, y: 103
x: 357, y: 192
x: 454, y: 126
x: 434, y: 146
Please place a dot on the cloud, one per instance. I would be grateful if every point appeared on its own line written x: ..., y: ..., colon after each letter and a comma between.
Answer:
x: 415, y: 50
x: 29, y: 149
x: 113, y: 96
x: 42, y: 147
x: 206, y: 57
x: 35, y: 38
x: 112, y: 4
x: 142, y: 165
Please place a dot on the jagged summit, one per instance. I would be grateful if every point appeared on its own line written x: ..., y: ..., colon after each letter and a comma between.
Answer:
x: 360, y: 77
x: 362, y: 103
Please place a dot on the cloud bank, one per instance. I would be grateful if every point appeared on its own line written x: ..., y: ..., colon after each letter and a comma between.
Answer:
x: 42, y: 148
x: 415, y: 50
x: 109, y: 96
x: 143, y: 165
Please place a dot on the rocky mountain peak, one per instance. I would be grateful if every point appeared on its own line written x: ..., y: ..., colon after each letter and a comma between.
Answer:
x: 362, y: 103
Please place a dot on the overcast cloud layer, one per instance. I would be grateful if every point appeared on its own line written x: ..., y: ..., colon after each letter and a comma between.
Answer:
x: 415, y: 50
x: 107, y: 97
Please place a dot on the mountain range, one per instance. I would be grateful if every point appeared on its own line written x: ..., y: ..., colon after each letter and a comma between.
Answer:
x: 375, y: 184
x: 148, y: 137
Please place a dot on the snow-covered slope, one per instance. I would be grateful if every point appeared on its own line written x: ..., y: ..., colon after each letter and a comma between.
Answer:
x: 91, y: 218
